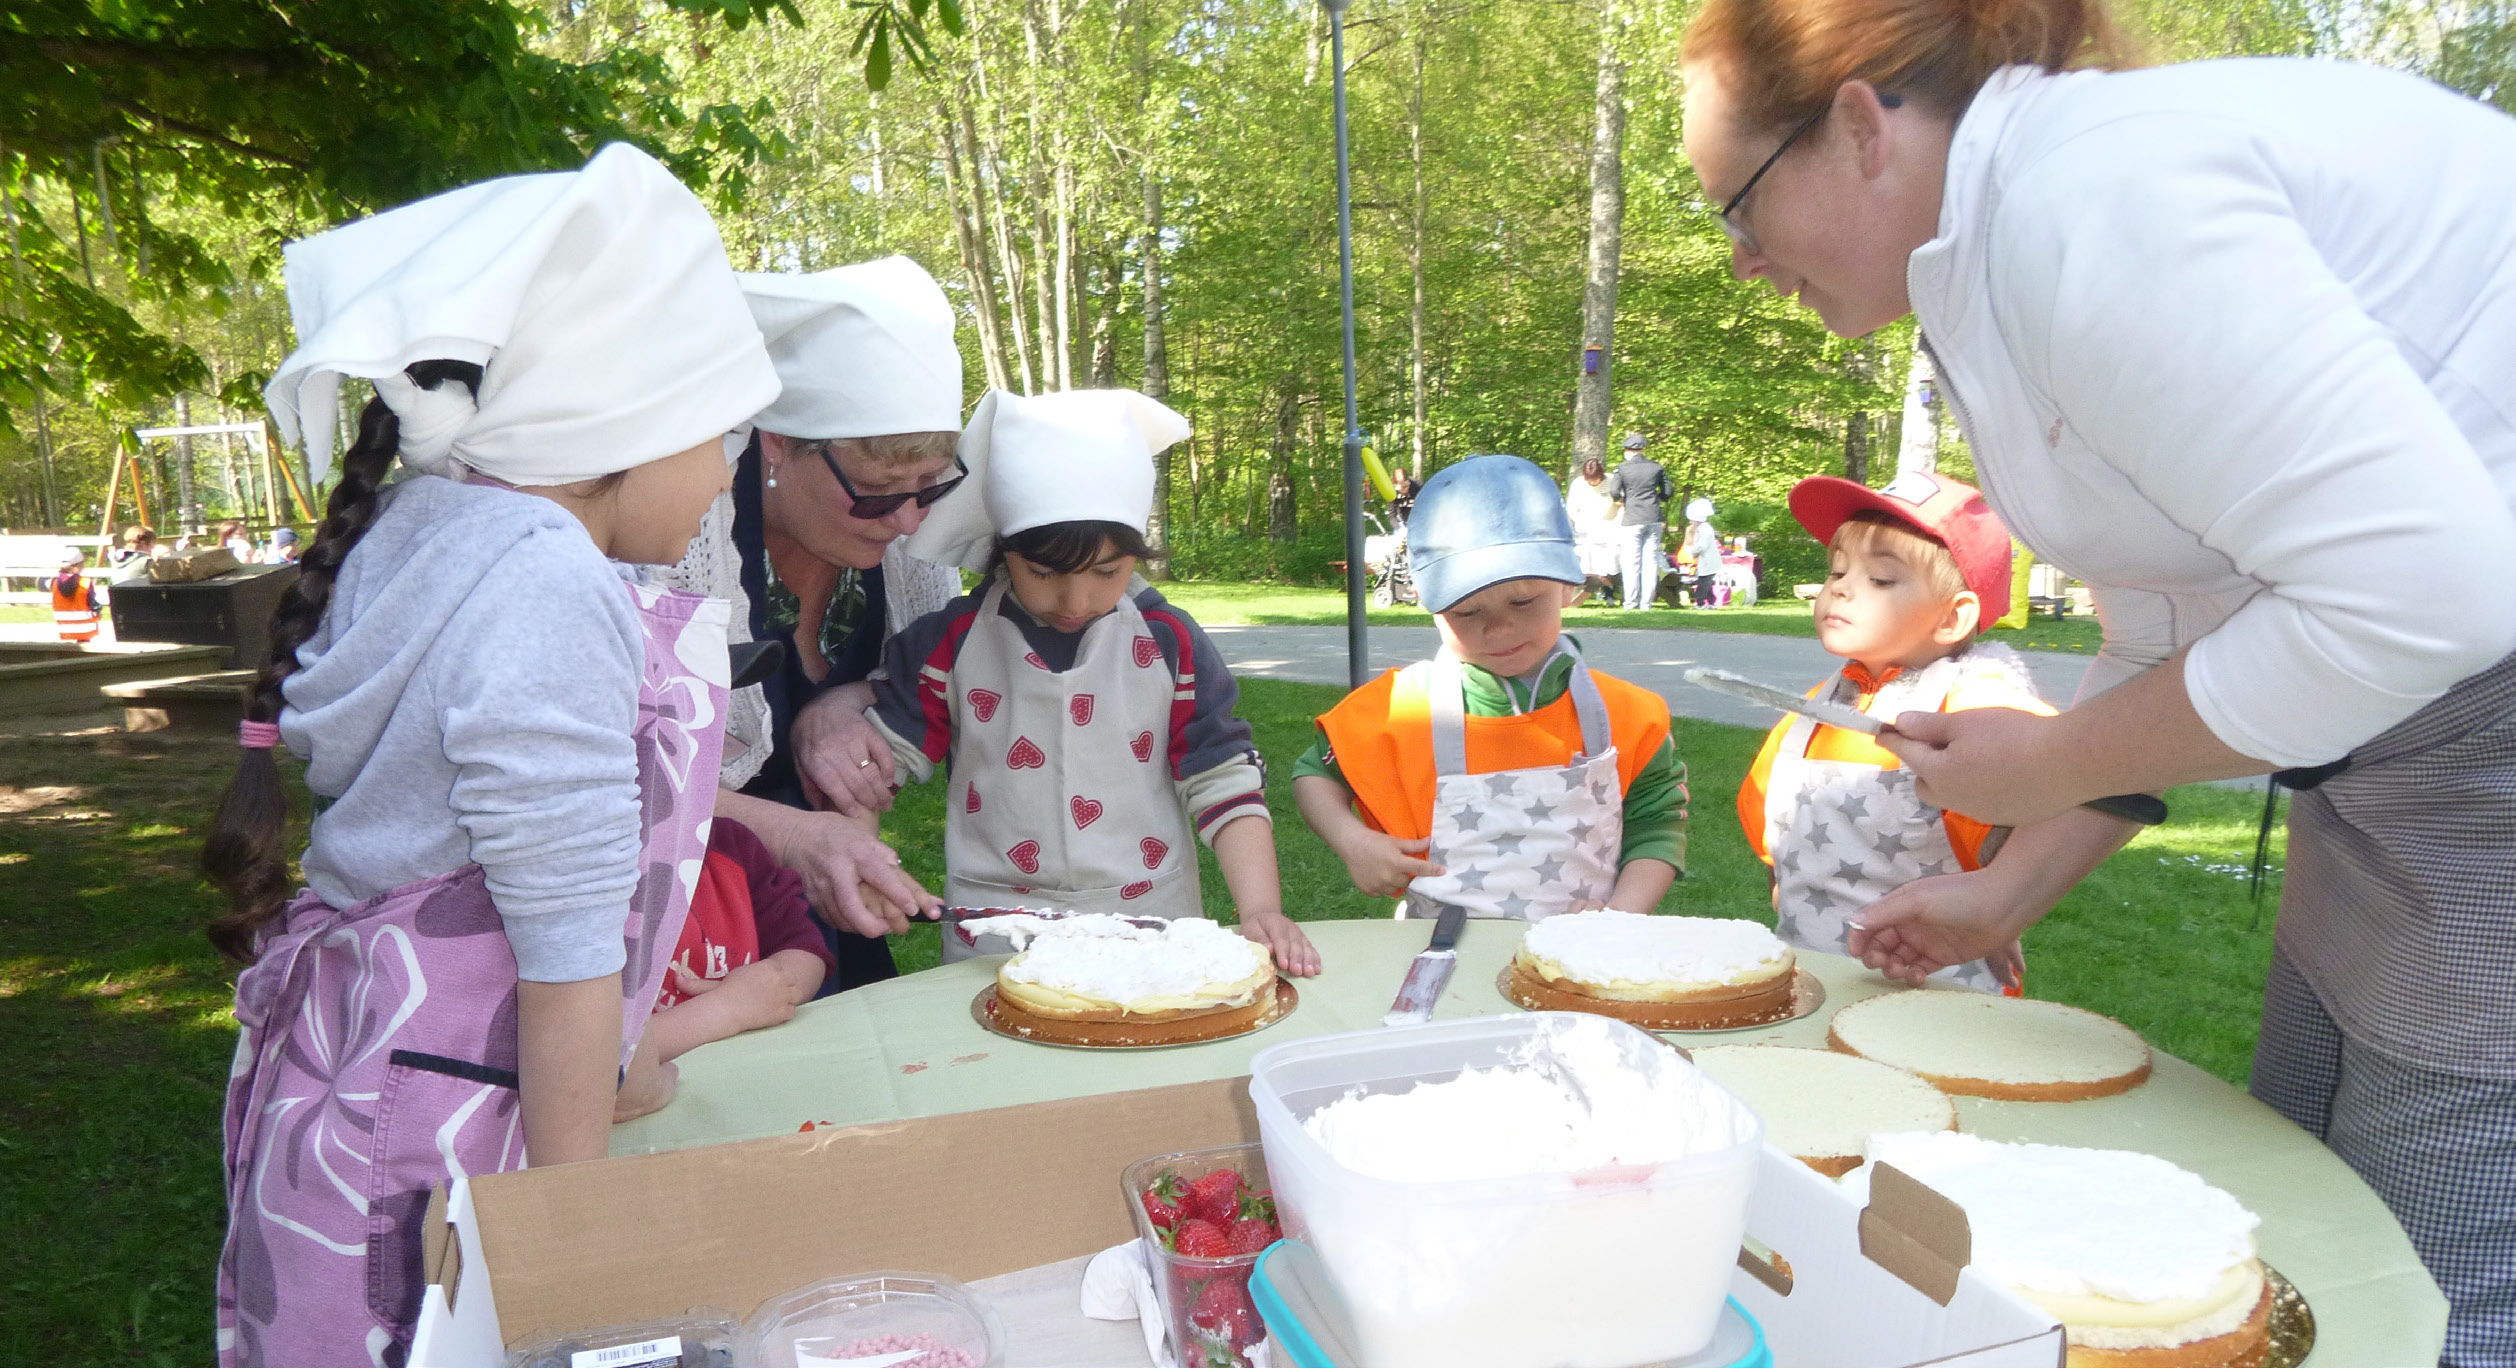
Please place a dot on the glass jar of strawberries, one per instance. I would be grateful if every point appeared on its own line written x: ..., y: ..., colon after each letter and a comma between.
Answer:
x: 1205, y: 1215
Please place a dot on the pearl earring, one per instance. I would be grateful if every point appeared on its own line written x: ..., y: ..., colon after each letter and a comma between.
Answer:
x: 773, y: 479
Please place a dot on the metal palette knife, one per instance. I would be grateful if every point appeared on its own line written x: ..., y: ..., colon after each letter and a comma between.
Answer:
x: 1430, y: 974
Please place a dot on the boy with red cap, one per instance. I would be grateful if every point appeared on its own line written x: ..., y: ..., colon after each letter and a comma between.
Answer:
x: 1915, y: 571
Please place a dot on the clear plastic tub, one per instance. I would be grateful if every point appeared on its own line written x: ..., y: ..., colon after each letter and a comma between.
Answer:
x: 1222, y: 1336
x: 700, y: 1338
x: 876, y: 1317
x: 1611, y: 1268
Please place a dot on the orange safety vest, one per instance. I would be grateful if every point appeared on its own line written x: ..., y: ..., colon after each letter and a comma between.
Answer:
x: 1965, y: 834
x: 74, y: 612
x: 1381, y: 736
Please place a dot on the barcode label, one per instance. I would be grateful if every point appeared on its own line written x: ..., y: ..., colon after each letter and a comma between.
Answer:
x: 654, y: 1353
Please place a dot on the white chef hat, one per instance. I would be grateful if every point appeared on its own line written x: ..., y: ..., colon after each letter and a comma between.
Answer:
x: 1072, y: 456
x: 863, y: 351
x: 599, y: 301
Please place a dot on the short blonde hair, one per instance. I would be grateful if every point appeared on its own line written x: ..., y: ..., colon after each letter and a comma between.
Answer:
x: 1930, y: 558
x: 892, y: 448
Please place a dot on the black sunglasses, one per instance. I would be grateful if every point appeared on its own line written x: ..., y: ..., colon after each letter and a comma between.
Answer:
x: 868, y: 507
x: 1738, y: 231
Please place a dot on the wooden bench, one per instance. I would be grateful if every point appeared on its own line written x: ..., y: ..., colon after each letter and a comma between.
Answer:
x: 211, y: 703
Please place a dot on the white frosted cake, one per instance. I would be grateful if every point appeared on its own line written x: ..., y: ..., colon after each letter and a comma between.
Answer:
x: 2143, y: 1263
x: 1821, y: 1107
x: 2018, y: 1049
x: 1072, y: 973
x: 1658, y: 972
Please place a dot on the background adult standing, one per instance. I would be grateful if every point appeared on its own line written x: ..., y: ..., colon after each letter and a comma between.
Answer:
x: 858, y: 445
x: 1593, y: 514
x: 1643, y: 488
x: 2221, y: 335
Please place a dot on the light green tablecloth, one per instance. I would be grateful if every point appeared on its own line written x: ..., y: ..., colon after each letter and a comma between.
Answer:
x: 910, y: 1048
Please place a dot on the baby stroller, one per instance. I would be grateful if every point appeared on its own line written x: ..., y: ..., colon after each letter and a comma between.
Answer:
x: 1385, y: 563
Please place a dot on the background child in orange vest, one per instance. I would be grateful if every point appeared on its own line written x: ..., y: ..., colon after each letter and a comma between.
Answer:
x: 73, y: 598
x: 1916, y: 570
x: 748, y: 956
x: 1087, y: 724
x: 1503, y: 775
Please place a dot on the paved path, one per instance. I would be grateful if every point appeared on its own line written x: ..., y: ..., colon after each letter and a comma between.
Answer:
x: 1651, y: 658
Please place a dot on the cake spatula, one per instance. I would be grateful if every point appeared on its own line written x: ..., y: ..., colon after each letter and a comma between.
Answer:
x: 1430, y: 973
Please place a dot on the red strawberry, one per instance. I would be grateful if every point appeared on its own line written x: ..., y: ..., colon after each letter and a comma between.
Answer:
x: 1142, y: 746
x: 1086, y: 811
x: 983, y: 703
x: 1252, y: 1236
x: 1198, y: 1238
x: 1025, y: 857
x: 1147, y: 651
x: 1214, y: 1197
x: 1223, y: 1310
x: 1079, y: 708
x: 1133, y: 891
x: 1153, y: 850
x: 1025, y: 754
x: 970, y: 804
x: 1161, y: 1201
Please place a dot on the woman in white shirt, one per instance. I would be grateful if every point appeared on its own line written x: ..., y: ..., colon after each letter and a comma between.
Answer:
x: 1593, y: 513
x: 2221, y: 335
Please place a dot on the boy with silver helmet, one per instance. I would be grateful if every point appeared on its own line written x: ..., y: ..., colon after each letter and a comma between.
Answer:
x: 1504, y: 775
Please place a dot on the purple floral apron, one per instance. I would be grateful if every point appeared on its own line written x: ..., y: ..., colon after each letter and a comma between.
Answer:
x: 378, y: 1051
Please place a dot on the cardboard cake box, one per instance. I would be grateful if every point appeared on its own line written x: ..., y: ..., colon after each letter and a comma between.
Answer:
x: 977, y: 1194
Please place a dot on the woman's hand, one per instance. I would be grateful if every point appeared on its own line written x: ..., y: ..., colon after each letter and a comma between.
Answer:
x: 844, y: 762
x: 854, y: 881
x: 1995, y: 765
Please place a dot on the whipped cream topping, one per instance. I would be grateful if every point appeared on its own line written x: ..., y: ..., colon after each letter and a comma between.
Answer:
x: 1579, y: 1102
x: 2081, y: 1222
x: 1604, y: 946
x: 1108, y: 957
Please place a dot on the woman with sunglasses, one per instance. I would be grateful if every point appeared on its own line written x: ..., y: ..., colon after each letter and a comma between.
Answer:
x: 857, y: 448
x: 2220, y: 335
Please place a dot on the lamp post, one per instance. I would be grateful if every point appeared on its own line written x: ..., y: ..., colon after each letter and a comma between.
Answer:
x: 1358, y: 653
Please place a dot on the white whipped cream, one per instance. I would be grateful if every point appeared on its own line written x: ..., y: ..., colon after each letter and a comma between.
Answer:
x: 2082, y: 1222
x: 1603, y: 946
x: 1585, y: 1108
x: 1110, y: 958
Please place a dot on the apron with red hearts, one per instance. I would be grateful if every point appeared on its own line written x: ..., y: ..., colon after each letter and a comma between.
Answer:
x: 1061, y: 793
x: 378, y: 1052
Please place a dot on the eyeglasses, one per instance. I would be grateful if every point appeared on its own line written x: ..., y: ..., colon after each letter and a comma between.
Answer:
x: 1729, y: 212
x: 868, y: 507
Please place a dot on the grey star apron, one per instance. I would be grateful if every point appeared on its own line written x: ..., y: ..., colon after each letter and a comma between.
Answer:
x: 1843, y: 833
x: 1062, y: 794
x: 1525, y: 843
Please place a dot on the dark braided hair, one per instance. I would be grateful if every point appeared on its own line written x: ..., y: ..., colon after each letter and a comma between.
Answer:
x: 243, y: 854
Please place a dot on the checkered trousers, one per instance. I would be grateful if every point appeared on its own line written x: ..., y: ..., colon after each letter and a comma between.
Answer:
x: 2439, y: 1149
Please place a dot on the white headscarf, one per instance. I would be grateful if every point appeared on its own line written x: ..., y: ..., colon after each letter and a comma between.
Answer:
x: 863, y: 351
x: 600, y: 302
x: 1072, y: 456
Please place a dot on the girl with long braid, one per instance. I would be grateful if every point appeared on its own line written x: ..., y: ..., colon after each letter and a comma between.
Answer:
x: 512, y: 739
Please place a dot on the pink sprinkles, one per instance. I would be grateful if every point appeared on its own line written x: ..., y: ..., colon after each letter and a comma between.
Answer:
x: 938, y: 1354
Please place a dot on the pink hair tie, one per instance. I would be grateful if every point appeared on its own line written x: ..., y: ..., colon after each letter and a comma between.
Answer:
x: 257, y: 735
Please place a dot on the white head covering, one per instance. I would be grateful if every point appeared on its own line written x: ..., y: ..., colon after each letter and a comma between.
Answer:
x: 863, y: 351
x: 1699, y: 510
x: 600, y: 302
x: 1072, y: 456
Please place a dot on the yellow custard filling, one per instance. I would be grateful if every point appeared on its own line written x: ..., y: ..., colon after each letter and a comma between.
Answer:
x: 1040, y: 997
x: 2243, y: 1282
x: 1639, y: 991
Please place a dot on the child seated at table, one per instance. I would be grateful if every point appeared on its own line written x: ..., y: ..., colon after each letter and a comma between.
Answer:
x: 1087, y: 724
x: 1914, y: 572
x: 749, y: 955
x: 1504, y: 775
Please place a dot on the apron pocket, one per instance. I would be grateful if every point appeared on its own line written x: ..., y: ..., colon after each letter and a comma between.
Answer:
x: 437, y: 1119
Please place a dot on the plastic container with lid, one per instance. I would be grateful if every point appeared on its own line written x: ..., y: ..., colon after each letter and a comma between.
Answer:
x: 1608, y: 1268
x: 896, y: 1320
x: 699, y: 1338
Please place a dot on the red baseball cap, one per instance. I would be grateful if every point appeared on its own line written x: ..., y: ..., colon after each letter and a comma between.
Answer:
x: 1947, y: 511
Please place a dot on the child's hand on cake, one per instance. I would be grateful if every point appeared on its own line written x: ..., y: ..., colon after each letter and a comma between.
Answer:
x: 1294, y: 954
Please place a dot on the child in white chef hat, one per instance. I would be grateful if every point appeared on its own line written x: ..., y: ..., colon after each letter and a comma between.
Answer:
x: 1086, y: 723
x: 511, y: 739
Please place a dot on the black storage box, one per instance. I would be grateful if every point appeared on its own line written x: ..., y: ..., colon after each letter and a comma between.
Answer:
x: 231, y: 610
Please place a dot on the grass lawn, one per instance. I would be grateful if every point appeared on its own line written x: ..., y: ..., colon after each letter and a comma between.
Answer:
x: 1216, y: 605
x: 115, y: 1032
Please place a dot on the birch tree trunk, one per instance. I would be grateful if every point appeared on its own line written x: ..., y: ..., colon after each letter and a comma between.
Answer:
x: 1592, y: 394
x: 965, y: 202
x: 1157, y: 365
x: 1104, y: 333
x: 1919, y: 447
x: 992, y: 171
x: 1283, y: 524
